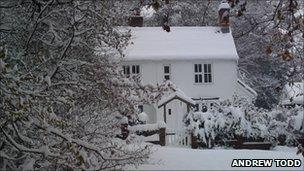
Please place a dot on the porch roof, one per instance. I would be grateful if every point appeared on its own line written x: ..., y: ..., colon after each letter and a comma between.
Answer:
x: 176, y: 95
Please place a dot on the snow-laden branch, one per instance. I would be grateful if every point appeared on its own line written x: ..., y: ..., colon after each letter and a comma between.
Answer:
x: 44, y: 150
x: 37, y: 22
x: 72, y: 140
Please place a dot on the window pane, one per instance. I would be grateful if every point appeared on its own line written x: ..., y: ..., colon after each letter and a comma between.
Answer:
x: 133, y: 69
x: 205, y: 78
x: 199, y: 67
x: 137, y: 69
x: 166, y: 69
x: 209, y: 68
x: 200, y: 78
x: 167, y: 77
x: 196, y: 78
x: 210, y: 78
x: 124, y: 69
x: 195, y: 68
x: 205, y: 68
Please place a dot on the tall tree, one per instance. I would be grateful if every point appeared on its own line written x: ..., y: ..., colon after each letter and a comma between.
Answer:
x: 62, y: 95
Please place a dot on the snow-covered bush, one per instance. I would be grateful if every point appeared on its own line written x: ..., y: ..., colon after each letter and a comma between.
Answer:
x: 242, y: 120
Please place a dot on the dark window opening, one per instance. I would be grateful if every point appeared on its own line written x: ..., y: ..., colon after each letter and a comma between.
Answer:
x: 167, y: 72
x: 197, y: 67
x: 166, y: 69
x: 169, y: 111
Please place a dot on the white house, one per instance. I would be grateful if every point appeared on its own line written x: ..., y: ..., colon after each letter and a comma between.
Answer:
x: 200, y: 61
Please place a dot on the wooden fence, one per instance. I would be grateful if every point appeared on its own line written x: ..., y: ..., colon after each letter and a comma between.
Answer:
x: 165, y: 137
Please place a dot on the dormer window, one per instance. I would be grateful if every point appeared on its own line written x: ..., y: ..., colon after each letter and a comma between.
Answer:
x: 167, y: 72
x: 131, y: 69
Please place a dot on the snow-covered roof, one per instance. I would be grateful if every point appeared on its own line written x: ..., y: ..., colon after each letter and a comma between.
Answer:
x: 178, y: 94
x: 181, y: 43
x: 294, y: 93
x: 224, y: 5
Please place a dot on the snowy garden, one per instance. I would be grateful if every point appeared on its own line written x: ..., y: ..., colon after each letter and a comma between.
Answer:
x: 173, y: 158
x: 208, y: 82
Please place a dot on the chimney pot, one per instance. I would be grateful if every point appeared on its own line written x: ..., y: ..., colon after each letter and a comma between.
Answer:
x: 223, y: 11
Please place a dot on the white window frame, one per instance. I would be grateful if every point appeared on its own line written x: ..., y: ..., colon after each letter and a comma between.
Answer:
x: 125, y: 69
x: 208, y: 78
x: 198, y: 73
x: 201, y: 73
x: 167, y: 74
x: 133, y: 69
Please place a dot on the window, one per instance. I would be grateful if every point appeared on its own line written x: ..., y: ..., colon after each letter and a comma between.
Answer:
x: 131, y: 69
x: 207, y: 73
x: 126, y: 69
x: 167, y: 72
x: 200, y: 74
x: 169, y: 111
x: 135, y: 69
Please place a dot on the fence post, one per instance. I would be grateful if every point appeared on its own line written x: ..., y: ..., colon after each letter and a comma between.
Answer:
x: 239, y: 142
x: 162, y: 136
x: 194, y: 143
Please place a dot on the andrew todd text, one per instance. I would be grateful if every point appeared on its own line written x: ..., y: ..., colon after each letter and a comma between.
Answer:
x: 266, y: 163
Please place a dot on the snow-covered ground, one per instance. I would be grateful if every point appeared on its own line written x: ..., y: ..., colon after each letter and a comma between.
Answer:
x: 173, y: 158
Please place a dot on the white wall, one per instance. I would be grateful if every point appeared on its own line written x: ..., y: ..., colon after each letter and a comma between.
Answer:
x: 182, y: 74
x: 224, y: 85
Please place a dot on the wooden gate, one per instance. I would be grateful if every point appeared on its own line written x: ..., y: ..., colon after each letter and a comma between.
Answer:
x: 178, y: 138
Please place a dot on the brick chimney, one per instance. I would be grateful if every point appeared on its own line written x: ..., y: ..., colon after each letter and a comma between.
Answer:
x: 135, y: 19
x: 223, y: 11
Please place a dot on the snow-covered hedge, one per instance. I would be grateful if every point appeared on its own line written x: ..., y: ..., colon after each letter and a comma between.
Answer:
x: 147, y: 127
x: 233, y: 120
